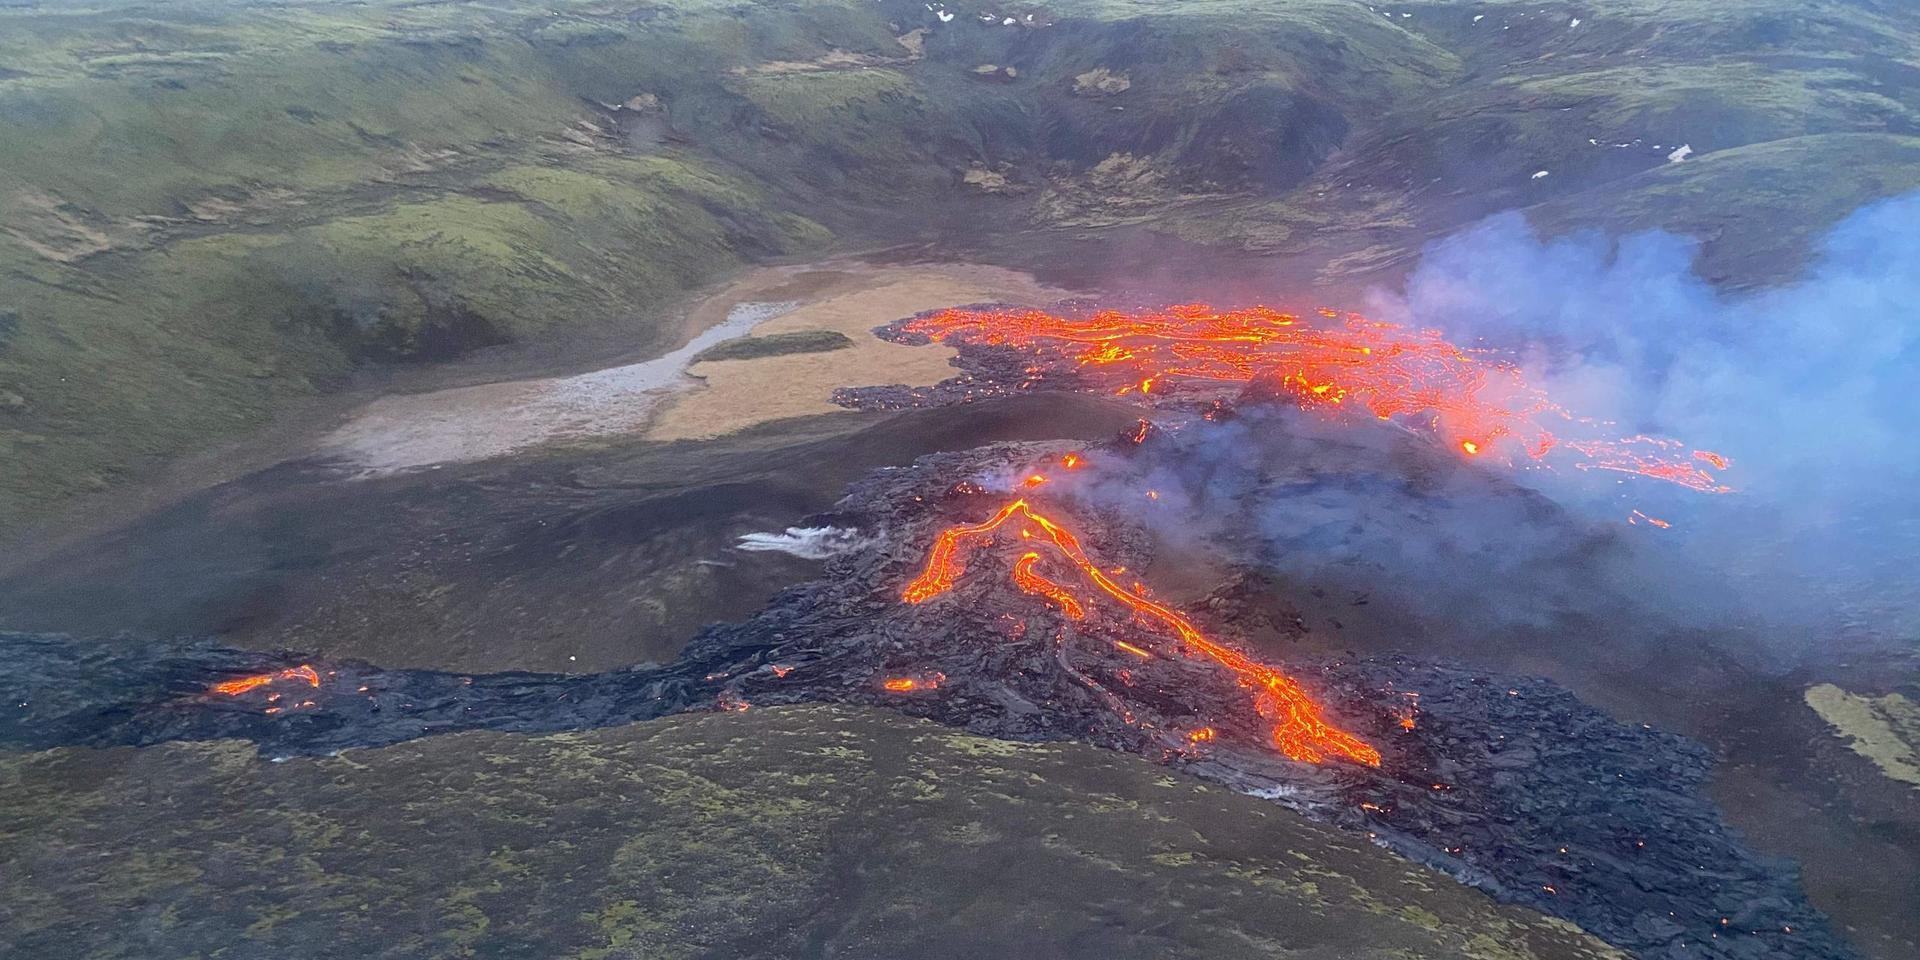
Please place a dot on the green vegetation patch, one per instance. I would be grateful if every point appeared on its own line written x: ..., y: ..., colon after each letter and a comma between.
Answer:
x: 775, y: 345
x: 1885, y: 730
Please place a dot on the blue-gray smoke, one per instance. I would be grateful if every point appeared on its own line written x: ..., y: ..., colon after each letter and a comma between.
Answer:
x: 1810, y: 386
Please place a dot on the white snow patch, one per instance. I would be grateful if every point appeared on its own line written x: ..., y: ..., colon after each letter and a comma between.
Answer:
x: 1685, y: 151
x: 1575, y: 23
x: 946, y: 16
x: 1479, y: 17
x: 810, y: 543
x: 1540, y: 175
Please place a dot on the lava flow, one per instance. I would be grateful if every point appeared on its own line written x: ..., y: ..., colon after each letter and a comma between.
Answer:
x: 1299, y: 731
x: 1470, y: 400
x: 233, y: 688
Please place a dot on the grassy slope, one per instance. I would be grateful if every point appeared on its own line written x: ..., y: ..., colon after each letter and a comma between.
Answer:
x: 1751, y: 87
x: 208, y: 208
x: 775, y: 833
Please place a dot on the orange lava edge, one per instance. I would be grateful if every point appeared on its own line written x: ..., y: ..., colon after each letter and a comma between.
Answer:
x: 238, y: 686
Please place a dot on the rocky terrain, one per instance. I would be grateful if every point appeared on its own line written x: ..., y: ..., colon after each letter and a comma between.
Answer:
x: 1508, y: 784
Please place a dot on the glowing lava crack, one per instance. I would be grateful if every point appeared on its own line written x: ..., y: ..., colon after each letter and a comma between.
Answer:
x: 1299, y: 731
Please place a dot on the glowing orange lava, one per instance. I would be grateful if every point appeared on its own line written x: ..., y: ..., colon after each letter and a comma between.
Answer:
x: 1636, y: 518
x: 1299, y: 731
x: 1031, y: 582
x: 238, y: 686
x: 910, y: 684
x: 1469, y: 400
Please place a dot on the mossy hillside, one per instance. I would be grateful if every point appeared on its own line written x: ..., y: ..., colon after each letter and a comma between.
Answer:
x: 1600, y: 108
x: 1783, y: 206
x: 301, y: 101
x: 192, y: 243
x: 773, y: 833
x: 126, y: 360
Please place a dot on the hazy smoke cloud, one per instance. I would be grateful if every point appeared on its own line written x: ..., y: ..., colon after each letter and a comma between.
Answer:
x: 1810, y: 387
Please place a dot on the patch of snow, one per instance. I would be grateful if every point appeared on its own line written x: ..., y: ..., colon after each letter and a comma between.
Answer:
x: 1479, y: 17
x: 1575, y: 23
x: 1540, y: 175
x: 809, y: 543
x: 946, y: 16
x: 1685, y: 151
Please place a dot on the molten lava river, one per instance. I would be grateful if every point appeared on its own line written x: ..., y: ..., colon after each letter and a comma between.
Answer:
x: 1299, y: 731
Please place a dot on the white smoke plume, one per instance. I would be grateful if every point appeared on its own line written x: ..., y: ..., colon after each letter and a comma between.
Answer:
x: 810, y: 543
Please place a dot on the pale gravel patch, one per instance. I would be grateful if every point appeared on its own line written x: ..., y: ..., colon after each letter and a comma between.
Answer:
x: 413, y: 431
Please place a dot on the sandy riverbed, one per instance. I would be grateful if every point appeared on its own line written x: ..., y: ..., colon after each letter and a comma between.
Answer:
x: 669, y: 397
x: 737, y: 394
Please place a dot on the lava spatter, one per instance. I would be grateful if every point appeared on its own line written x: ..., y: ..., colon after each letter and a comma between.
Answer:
x: 1299, y: 731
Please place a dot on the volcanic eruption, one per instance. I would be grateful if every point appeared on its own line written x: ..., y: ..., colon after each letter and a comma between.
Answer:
x: 990, y: 591
x: 1469, y: 400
